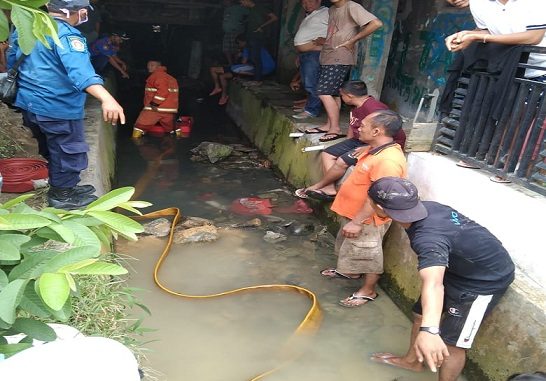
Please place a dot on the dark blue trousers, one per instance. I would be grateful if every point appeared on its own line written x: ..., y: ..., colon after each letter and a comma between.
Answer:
x: 62, y: 144
x: 310, y: 73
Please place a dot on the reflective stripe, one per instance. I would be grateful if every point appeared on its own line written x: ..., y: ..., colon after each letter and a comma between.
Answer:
x: 159, y: 98
x: 153, y: 89
x: 173, y: 90
x: 161, y: 109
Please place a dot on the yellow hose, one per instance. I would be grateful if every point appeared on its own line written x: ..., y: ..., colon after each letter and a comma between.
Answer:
x: 307, y: 327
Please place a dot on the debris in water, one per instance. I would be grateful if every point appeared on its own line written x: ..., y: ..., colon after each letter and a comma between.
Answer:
x: 273, y: 237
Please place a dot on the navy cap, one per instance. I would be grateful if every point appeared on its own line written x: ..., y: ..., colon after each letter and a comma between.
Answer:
x: 399, y: 198
x: 70, y: 5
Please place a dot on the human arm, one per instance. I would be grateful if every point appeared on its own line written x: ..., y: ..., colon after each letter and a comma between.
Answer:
x: 430, y: 348
x: 459, y: 3
x: 461, y: 40
x: 353, y: 228
x: 119, y: 65
x: 365, y: 31
x: 271, y: 18
x: 295, y: 83
x: 111, y: 110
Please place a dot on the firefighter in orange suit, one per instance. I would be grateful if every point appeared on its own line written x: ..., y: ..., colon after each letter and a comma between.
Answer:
x: 160, y: 102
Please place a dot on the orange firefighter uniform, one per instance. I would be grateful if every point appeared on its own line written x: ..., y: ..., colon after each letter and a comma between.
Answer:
x: 160, y: 103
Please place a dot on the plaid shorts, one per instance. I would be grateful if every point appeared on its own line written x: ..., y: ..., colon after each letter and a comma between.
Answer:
x: 229, y: 44
x: 331, y: 78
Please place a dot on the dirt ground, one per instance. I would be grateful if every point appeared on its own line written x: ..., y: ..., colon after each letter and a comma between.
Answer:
x: 17, y: 141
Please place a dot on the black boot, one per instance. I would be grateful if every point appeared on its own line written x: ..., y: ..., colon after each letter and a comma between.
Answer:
x: 68, y: 198
x: 84, y: 189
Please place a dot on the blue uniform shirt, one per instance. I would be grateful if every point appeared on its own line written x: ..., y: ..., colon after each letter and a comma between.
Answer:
x: 52, y: 82
x: 268, y: 64
x: 103, y: 47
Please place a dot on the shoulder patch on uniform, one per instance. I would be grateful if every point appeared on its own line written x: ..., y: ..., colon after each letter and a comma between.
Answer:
x: 77, y: 44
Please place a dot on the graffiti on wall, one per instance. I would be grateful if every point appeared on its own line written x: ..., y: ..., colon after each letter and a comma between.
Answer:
x: 374, y: 46
x: 427, y: 68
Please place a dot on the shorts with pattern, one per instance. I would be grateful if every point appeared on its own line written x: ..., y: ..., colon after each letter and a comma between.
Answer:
x: 462, y: 315
x: 331, y: 78
x: 361, y: 255
x: 229, y: 44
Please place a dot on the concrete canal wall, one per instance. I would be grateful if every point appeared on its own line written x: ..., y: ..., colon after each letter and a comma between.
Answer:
x: 513, y: 338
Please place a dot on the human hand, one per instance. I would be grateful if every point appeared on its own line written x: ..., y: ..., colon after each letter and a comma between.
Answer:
x: 430, y: 348
x: 358, y: 151
x: 112, y: 112
x: 347, y: 44
x: 295, y: 85
x: 259, y: 30
x: 351, y: 230
x: 458, y: 41
x: 319, y: 41
x: 124, y: 75
x: 459, y: 3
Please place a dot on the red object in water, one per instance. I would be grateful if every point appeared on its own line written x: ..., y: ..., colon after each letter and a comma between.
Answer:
x: 250, y: 206
x: 20, y: 174
x: 183, y: 126
x: 298, y: 207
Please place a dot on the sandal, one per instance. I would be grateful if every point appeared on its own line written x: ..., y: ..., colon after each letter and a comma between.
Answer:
x: 315, y: 130
x: 330, y: 137
x: 359, y: 300
x: 333, y: 273
x: 301, y: 193
x: 500, y: 180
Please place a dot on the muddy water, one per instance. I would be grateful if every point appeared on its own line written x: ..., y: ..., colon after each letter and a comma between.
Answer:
x: 240, y: 336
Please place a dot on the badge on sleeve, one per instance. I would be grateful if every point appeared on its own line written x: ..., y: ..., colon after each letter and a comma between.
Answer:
x: 77, y: 44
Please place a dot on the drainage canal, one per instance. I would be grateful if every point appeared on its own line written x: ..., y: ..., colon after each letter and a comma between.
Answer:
x: 240, y: 336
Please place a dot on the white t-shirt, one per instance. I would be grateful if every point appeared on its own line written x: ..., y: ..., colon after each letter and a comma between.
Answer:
x: 513, y: 17
x: 313, y: 26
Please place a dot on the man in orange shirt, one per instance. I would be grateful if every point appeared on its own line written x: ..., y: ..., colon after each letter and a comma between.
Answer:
x: 160, y: 100
x: 359, y: 241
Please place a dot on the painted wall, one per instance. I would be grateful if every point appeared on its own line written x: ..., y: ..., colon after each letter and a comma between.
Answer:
x: 418, y: 59
x: 372, y: 54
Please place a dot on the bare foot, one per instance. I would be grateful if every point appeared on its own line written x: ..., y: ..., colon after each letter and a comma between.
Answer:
x: 216, y: 90
x: 397, y: 361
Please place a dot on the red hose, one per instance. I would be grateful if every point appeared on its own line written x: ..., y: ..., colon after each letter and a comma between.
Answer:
x: 20, y: 174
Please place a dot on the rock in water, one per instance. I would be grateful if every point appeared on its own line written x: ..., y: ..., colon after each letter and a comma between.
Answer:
x: 206, y: 233
x: 158, y: 228
x: 213, y: 151
x: 273, y: 237
x: 193, y: 222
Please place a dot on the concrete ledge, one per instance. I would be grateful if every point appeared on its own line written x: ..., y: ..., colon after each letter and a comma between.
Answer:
x: 513, y: 338
x: 101, y: 138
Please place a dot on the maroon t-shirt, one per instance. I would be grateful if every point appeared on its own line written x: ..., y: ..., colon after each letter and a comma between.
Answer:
x: 371, y: 105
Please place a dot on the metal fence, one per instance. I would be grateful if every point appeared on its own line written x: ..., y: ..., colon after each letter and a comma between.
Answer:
x: 511, y: 146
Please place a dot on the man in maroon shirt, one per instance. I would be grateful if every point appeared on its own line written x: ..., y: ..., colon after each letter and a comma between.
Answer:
x: 338, y: 157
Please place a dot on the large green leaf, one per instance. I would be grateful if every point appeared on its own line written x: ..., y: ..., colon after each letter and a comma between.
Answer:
x: 23, y: 19
x: 83, y: 236
x: 70, y: 257
x: 64, y: 231
x: 54, y: 290
x: 120, y: 223
x: 35, y: 329
x: 4, y: 27
x: 22, y: 222
x: 105, y: 239
x: 10, y: 247
x: 17, y: 200
x: 11, y: 349
x: 33, y: 304
x: 32, y: 265
x: 10, y: 296
x: 101, y: 268
x: 3, y: 279
x: 112, y: 199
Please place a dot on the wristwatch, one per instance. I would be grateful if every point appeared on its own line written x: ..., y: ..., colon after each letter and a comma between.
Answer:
x: 431, y: 330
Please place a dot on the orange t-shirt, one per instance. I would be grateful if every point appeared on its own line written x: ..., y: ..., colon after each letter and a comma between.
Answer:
x: 373, y: 164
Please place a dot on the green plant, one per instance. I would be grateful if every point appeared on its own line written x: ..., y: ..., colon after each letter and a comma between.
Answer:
x: 42, y: 253
x: 32, y: 24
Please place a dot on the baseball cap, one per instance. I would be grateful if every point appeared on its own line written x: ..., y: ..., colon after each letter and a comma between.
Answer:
x: 399, y: 198
x: 70, y: 5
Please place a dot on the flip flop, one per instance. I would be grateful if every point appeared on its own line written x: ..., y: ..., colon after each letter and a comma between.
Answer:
x: 300, y: 193
x: 500, y: 180
x: 330, y: 137
x: 333, y: 273
x: 363, y: 298
x: 320, y: 195
x: 315, y: 130
x: 464, y: 164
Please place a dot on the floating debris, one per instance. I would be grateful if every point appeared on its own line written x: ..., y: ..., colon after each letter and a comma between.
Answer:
x: 273, y: 237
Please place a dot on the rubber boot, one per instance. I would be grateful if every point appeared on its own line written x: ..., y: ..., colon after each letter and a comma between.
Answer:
x: 68, y: 198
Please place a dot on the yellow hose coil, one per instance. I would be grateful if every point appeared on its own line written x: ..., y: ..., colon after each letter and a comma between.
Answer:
x: 307, y: 327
